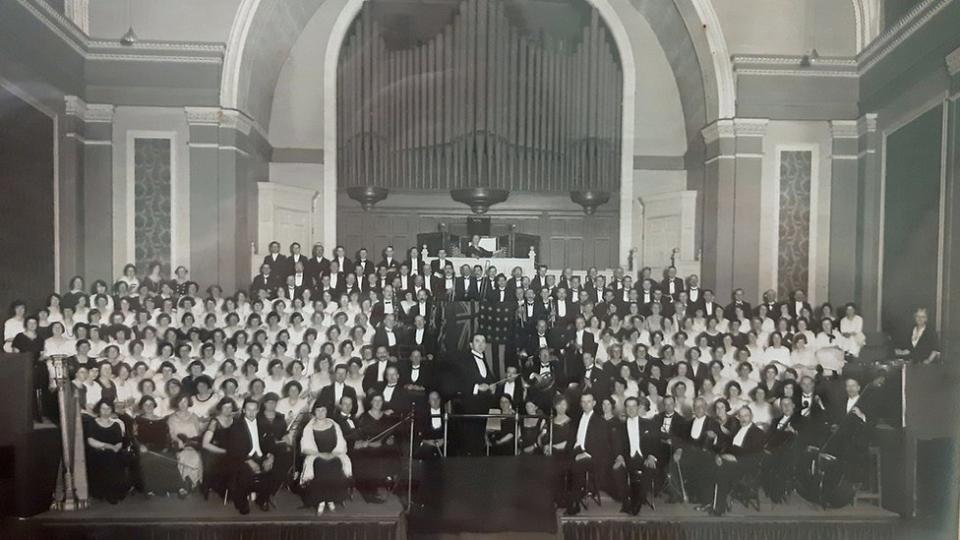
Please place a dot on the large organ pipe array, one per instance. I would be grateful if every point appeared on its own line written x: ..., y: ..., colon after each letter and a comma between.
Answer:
x: 481, y: 103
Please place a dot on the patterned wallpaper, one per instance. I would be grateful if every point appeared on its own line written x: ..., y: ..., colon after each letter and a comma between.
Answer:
x: 794, y: 255
x: 152, y: 202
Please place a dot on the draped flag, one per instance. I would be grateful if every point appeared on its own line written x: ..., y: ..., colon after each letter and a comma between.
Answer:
x: 459, y: 325
x: 497, y: 321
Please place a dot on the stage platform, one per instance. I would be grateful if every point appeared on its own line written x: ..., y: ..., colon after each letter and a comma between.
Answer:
x: 170, y: 518
x: 795, y: 518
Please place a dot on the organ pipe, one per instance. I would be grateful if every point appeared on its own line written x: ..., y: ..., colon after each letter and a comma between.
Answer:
x: 484, y: 102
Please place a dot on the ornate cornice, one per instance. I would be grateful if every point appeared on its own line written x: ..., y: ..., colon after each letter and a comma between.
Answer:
x: 203, y: 116
x: 113, y: 50
x: 234, y: 119
x: 844, y: 129
x: 893, y: 36
x: 720, y: 129
x: 953, y: 62
x: 794, y: 66
x: 750, y: 127
x: 88, y: 112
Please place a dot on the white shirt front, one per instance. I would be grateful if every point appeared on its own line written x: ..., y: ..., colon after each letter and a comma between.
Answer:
x: 255, y: 450
x: 481, y: 364
x: 541, y: 340
x: 387, y: 307
x: 381, y: 368
x: 337, y: 391
x: 561, y: 309
x: 697, y: 427
x: 582, y: 430
x: 742, y: 434
x: 388, y: 391
x: 580, y: 338
x: 414, y: 373
x: 633, y: 433
x: 852, y: 402
x: 391, y: 336
x: 418, y: 336
x: 917, y: 333
x: 436, y: 420
x: 509, y: 388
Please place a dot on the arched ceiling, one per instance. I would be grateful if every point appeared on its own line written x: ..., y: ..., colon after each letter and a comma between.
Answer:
x: 265, y: 31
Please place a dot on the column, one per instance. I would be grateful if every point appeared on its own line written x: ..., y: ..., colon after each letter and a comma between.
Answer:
x: 204, y: 145
x: 844, y: 194
x: 950, y: 325
x: 89, y: 153
x: 869, y: 233
x: 731, y: 224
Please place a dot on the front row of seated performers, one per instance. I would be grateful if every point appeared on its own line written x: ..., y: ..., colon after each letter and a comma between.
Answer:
x: 814, y: 445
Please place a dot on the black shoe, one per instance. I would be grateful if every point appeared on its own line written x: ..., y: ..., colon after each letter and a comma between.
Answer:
x: 264, y: 504
x: 625, y: 509
x: 243, y: 506
x: 573, y: 509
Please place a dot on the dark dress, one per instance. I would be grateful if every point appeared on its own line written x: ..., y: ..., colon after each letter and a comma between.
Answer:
x: 41, y: 377
x: 507, y: 427
x: 282, y: 453
x: 562, y: 433
x: 216, y: 472
x: 329, y: 483
x: 530, y: 436
x: 159, y: 474
x: 107, y: 470
x: 372, y: 465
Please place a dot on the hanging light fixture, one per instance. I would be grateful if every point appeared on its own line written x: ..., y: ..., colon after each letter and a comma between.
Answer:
x: 130, y: 37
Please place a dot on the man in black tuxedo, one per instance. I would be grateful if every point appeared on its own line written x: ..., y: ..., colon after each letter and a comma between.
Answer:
x: 392, y: 264
x: 250, y: 458
x: 331, y: 394
x: 608, y: 306
x: 564, y: 310
x: 769, y: 299
x: 780, y: 466
x: 419, y: 338
x: 416, y: 376
x: 467, y: 285
x: 396, y: 400
x: 267, y: 280
x: 340, y: 257
x: 387, y: 335
x: 476, y: 395
x: 294, y: 258
x: 693, y: 457
x: 337, y: 282
x: 388, y: 305
x: 437, y: 265
x: 539, y: 281
x: 738, y: 460
x: 317, y: 265
x: 543, y: 337
x: 798, y: 302
x: 529, y: 312
x: 376, y: 372
x: 672, y: 285
x: 694, y: 292
x: 636, y: 446
x: 710, y: 305
x: 499, y: 293
x: 541, y: 372
x: 423, y: 308
x: 736, y: 301
x: 363, y: 266
x: 274, y: 258
x: 290, y: 290
x: 589, y: 448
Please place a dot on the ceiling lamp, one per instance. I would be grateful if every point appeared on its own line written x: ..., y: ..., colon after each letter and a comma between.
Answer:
x: 367, y: 196
x: 589, y: 200
x: 479, y: 199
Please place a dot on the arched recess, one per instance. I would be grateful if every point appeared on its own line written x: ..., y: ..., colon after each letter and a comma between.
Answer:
x: 264, y: 31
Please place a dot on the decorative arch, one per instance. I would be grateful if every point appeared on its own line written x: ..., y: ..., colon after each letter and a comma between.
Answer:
x: 264, y: 31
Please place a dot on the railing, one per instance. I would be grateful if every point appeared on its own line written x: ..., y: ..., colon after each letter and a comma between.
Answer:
x: 516, y: 426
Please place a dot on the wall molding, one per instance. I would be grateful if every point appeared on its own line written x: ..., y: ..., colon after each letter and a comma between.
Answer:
x: 220, y: 117
x: 893, y: 36
x: 113, y: 50
x: 722, y: 64
x: 845, y: 129
x: 88, y: 112
x: 792, y: 66
x: 953, y: 62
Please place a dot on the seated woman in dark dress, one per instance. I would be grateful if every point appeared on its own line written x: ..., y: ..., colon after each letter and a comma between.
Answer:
x: 216, y: 472
x: 327, y: 469
x: 158, y: 470
x: 275, y: 425
x: 502, y: 441
x: 554, y: 440
x: 530, y: 429
x: 106, y: 464
x: 375, y: 454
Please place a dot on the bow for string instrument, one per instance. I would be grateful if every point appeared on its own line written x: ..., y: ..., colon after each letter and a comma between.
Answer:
x: 406, y: 417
